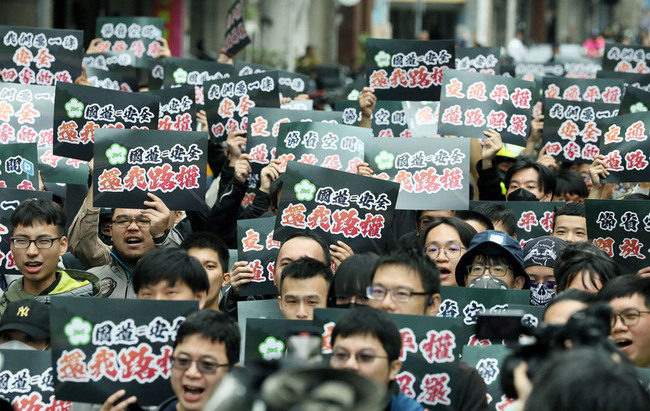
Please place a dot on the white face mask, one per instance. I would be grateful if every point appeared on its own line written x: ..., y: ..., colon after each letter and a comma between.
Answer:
x: 16, y: 345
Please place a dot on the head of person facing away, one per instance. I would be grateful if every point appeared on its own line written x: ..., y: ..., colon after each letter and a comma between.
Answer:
x: 38, y: 240
x: 206, y: 348
x: 405, y: 281
x: 304, y: 286
x: 170, y: 274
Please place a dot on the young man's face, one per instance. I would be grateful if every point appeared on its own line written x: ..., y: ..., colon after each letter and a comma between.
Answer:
x: 570, y: 228
x: 632, y: 339
x: 192, y: 387
x: 295, y: 249
x: 38, y: 265
x: 299, y: 297
x: 512, y: 282
x: 379, y: 370
x: 528, y: 178
x: 132, y: 241
x: 210, y: 261
x: 163, y: 290
x: 396, y: 277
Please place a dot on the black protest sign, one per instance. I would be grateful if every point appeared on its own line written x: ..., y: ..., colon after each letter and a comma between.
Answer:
x: 333, y: 146
x: 227, y: 101
x: 177, y: 108
x: 27, y: 380
x: 422, y: 167
x: 135, y: 34
x: 407, y: 69
x: 528, y: 71
x: 582, y: 70
x: 56, y: 169
x: 256, y: 246
x: 570, y: 130
x: 298, y: 105
x: 19, y: 166
x: 488, y: 361
x: 26, y: 113
x: 422, y: 117
x: 622, y: 230
x: 243, y: 68
x: 534, y: 218
x: 155, y: 74
x: 131, y: 163
x: 635, y: 100
x: 40, y: 56
x: 122, y: 80
x: 292, y: 84
x: 100, y: 346
x: 255, y: 309
x: 388, y: 118
x: 265, y: 122
x: 607, y: 91
x: 430, y: 348
x: 341, y: 206
x: 236, y: 38
x: 181, y: 71
x: 268, y: 339
x: 9, y: 200
x: 471, y: 103
x: 625, y: 146
x: 638, y: 80
x: 80, y: 110
x: 626, y: 58
x: 478, y: 59
x: 109, y: 60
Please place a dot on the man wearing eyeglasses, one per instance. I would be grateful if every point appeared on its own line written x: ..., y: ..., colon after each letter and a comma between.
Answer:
x: 629, y: 297
x: 37, y: 242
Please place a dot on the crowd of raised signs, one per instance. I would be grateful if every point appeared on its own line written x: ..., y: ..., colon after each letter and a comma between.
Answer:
x: 441, y: 186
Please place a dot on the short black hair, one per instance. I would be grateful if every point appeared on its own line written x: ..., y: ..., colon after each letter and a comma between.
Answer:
x: 353, y: 276
x: 473, y: 215
x: 465, y: 231
x: 545, y: 176
x: 205, y: 239
x: 498, y: 213
x: 304, y: 268
x: 215, y: 326
x: 417, y: 261
x: 309, y: 235
x: 637, y: 197
x: 370, y: 321
x: 626, y: 286
x: 570, y: 182
x: 39, y: 210
x: 577, y: 258
x: 172, y: 265
x: 570, y: 209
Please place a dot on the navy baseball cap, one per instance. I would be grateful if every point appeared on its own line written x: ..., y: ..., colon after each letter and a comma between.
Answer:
x: 29, y: 316
x: 492, y: 242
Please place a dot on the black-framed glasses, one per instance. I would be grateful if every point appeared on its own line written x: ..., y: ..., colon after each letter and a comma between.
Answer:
x: 451, y: 251
x: 23, y: 242
x: 124, y: 221
x: 628, y: 316
x: 477, y: 270
x: 399, y: 294
x: 205, y: 367
x: 342, y: 356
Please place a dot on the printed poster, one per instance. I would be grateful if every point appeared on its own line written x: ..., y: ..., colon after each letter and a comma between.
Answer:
x: 625, y: 146
x: 255, y: 245
x: 135, y: 34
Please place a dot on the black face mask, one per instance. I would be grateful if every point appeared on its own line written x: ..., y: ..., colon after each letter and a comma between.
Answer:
x: 521, y: 194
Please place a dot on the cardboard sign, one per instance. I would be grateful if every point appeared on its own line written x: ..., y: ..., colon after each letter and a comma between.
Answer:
x: 27, y: 380
x: 534, y: 218
x: 478, y: 59
x: 177, y: 108
x: 626, y: 58
x: 19, y: 166
x: 607, y: 91
x: 488, y: 361
x: 181, y: 71
x: 40, y: 56
x: 388, y: 118
x: 635, y: 100
x: 109, y: 60
x: 433, y: 172
x: 570, y: 130
x: 341, y: 206
x: 255, y: 245
x: 122, y: 80
x: 622, y: 230
x: 236, y: 38
x: 638, y: 80
x: 26, y: 113
x: 80, y: 110
x: 136, y: 34
x: 625, y: 146
x: 228, y: 101
x: 407, y: 69
x: 131, y: 163
x: 101, y: 345
x: 332, y: 146
x: 9, y: 200
x: 471, y: 103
